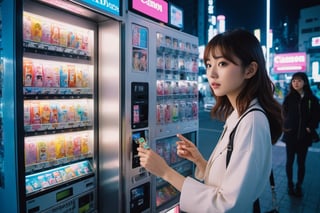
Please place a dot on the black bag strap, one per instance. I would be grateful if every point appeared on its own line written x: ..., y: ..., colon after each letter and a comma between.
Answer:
x: 231, y: 136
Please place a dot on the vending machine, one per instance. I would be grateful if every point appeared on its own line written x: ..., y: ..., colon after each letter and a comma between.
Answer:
x: 10, y: 158
x: 61, y: 59
x: 162, y: 100
x: 82, y: 86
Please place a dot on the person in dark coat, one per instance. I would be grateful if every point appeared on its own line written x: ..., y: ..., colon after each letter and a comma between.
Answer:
x: 301, y: 117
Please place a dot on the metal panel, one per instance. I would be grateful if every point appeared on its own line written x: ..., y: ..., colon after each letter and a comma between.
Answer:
x: 141, y: 36
x: 9, y: 191
x: 109, y: 146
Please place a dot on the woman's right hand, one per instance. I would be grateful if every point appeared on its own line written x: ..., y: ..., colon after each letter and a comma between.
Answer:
x: 186, y: 149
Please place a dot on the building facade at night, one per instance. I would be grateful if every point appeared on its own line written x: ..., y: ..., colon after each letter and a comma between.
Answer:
x: 309, y: 39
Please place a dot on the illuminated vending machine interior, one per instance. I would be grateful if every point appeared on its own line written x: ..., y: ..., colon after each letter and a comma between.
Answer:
x: 59, y: 89
x: 176, y: 107
x: 162, y: 71
x: 58, y: 111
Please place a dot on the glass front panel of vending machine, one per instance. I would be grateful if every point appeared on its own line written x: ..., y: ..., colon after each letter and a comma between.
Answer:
x: 58, y: 76
x: 1, y: 114
x: 176, y: 106
x: 166, y: 148
x: 170, y: 73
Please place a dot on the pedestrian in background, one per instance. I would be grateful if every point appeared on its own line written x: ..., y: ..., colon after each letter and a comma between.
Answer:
x: 301, y: 117
x: 237, y: 75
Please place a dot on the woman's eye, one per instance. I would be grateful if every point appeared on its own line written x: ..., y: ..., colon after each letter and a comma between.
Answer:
x: 222, y: 63
x: 208, y: 65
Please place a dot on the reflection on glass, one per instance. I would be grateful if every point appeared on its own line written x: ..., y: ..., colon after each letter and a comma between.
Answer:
x: 1, y: 115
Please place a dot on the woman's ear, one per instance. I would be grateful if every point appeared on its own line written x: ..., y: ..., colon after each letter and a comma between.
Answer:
x: 251, y: 70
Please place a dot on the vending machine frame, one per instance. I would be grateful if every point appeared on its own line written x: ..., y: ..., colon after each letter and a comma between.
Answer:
x: 141, y: 125
x: 12, y: 110
x: 108, y: 33
x: 59, y: 105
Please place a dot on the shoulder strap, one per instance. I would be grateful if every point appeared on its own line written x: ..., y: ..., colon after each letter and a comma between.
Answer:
x: 231, y: 136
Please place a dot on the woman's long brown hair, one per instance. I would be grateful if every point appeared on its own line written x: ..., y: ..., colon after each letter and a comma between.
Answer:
x: 245, y: 46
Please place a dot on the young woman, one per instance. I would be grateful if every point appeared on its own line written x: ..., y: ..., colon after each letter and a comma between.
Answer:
x: 237, y: 74
x: 301, y: 117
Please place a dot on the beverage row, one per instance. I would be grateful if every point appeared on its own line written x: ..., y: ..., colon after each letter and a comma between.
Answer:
x: 56, y: 114
x: 53, y: 177
x: 167, y: 148
x: 165, y: 194
x: 176, y: 75
x: 176, y: 111
x: 40, y: 29
x: 43, y: 73
x: 165, y: 191
x: 177, y: 87
x: 174, y: 62
x: 175, y: 44
x: 57, y: 148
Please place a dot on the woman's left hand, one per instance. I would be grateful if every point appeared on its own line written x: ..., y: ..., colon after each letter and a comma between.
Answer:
x: 152, y: 162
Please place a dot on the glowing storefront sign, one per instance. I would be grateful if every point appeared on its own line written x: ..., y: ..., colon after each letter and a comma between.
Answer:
x: 176, y: 16
x: 111, y: 6
x: 290, y: 62
x: 315, y: 68
x: 315, y: 41
x: 221, y: 23
x: 157, y: 9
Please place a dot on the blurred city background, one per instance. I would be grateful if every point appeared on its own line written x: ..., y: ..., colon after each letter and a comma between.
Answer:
x: 293, y: 36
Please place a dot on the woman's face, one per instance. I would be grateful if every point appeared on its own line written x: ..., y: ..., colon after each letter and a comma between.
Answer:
x: 297, y: 84
x: 225, y: 77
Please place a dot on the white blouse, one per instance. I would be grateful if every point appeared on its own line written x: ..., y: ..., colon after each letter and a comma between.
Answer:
x: 233, y: 189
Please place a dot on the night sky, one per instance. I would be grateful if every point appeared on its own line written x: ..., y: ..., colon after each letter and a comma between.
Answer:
x: 240, y: 13
x: 251, y: 14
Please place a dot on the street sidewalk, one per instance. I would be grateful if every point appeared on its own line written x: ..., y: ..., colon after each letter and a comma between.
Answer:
x: 310, y: 202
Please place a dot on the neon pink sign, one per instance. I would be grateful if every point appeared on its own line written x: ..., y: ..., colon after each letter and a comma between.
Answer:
x: 157, y: 9
x: 290, y: 62
x: 315, y: 41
